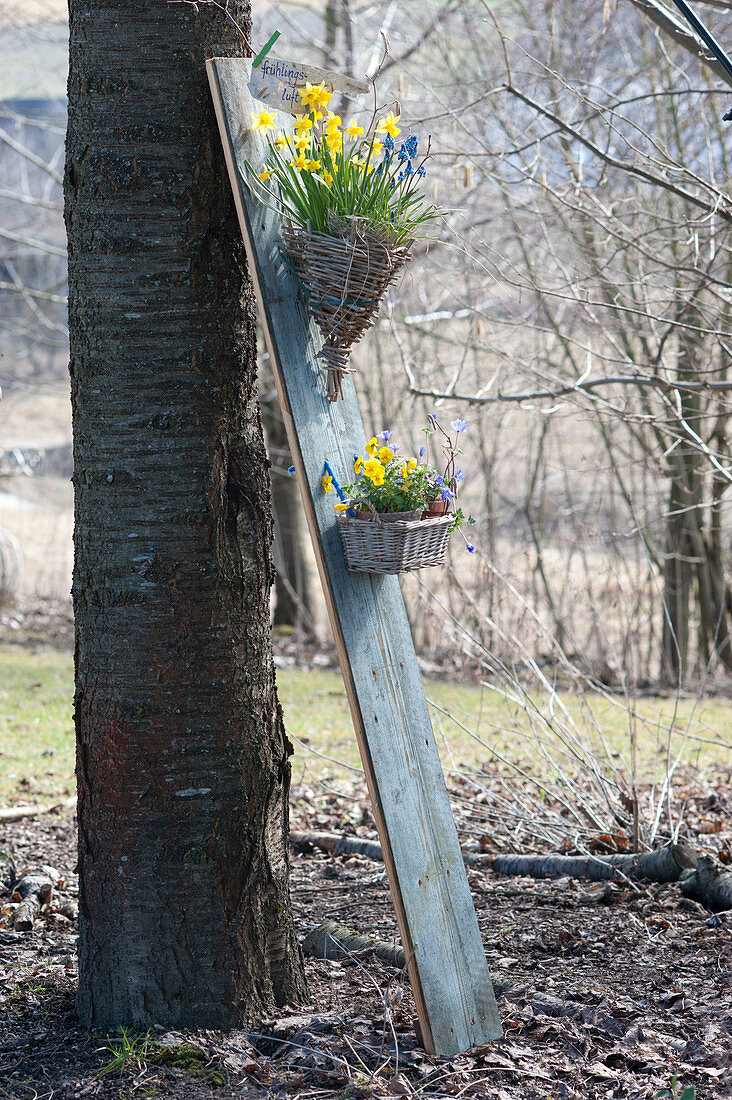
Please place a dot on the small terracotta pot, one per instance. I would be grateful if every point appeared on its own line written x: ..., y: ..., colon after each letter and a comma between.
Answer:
x: 437, y: 507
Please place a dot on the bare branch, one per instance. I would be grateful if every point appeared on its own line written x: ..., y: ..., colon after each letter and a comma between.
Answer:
x: 653, y: 380
x: 676, y: 29
x: 615, y: 162
x: 26, y: 153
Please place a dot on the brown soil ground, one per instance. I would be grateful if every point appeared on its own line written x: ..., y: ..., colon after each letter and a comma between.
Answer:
x: 614, y: 990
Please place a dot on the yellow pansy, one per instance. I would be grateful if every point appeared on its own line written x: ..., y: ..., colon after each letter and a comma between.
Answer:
x: 388, y: 125
x: 412, y: 464
x: 386, y: 454
x: 354, y: 130
x: 404, y: 471
x: 374, y: 471
x: 299, y: 162
x: 327, y: 483
x: 372, y: 447
x: 302, y: 123
x: 263, y: 120
x: 358, y: 464
x: 264, y: 175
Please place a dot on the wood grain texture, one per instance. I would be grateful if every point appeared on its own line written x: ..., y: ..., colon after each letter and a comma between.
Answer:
x: 435, y: 911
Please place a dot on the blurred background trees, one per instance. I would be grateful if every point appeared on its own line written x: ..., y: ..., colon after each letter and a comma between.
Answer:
x: 575, y: 310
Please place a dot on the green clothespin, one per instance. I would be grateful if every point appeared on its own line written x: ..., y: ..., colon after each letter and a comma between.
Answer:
x: 265, y: 50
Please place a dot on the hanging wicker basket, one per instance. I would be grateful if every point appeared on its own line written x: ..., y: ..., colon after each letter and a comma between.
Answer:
x: 374, y: 545
x: 344, y: 279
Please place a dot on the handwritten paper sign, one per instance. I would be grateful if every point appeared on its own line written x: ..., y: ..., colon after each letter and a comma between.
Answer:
x: 278, y: 83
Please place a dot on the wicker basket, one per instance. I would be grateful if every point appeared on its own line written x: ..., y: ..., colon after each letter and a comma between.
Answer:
x: 400, y: 546
x: 344, y: 279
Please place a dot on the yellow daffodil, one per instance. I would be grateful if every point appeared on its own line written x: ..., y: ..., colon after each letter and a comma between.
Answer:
x: 334, y: 141
x: 386, y: 454
x: 316, y: 95
x: 358, y: 464
x: 263, y: 120
x: 342, y: 506
x: 327, y: 483
x: 388, y: 125
x: 354, y: 130
x: 299, y: 162
x: 372, y: 447
x: 312, y: 165
x: 327, y: 178
x: 378, y: 146
x: 280, y: 141
x: 302, y: 123
x: 303, y: 142
x: 332, y: 122
x: 264, y: 175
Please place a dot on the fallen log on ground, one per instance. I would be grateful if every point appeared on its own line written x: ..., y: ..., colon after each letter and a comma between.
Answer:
x: 665, y: 864
x: 18, y: 813
x: 304, y: 840
x: 709, y: 884
x: 7, y: 869
x: 331, y: 940
x: 34, y: 889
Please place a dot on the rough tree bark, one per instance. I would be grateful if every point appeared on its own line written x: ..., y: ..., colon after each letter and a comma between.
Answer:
x: 181, y: 754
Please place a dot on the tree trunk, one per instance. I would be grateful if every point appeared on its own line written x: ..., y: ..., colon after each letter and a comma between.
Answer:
x: 182, y: 765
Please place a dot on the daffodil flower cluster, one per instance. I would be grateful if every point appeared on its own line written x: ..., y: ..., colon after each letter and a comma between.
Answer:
x: 328, y: 173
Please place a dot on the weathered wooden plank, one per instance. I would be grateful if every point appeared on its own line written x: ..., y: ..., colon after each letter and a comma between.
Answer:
x: 435, y: 911
x: 278, y: 83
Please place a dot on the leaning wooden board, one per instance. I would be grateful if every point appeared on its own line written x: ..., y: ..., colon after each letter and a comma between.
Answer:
x: 435, y: 912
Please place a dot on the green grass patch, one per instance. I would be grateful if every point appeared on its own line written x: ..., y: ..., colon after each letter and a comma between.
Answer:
x: 473, y: 725
x: 36, y: 725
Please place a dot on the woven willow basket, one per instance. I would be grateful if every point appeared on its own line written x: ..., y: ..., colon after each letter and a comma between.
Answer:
x: 371, y: 546
x: 344, y: 280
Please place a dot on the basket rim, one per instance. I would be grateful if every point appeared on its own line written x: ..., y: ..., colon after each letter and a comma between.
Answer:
x: 399, y: 524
